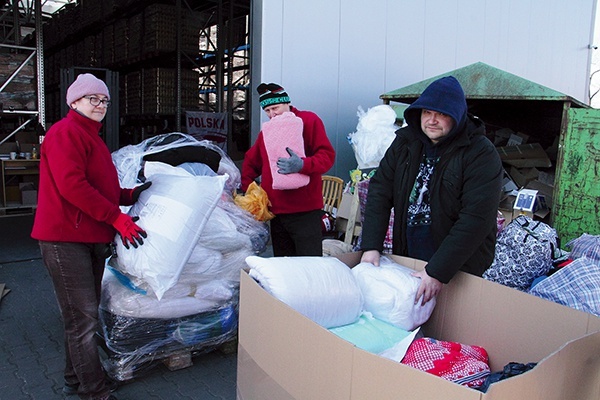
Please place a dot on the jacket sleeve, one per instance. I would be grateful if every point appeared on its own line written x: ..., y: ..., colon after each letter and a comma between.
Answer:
x: 380, y: 201
x: 126, y: 197
x: 320, y: 154
x: 481, y: 186
x: 67, y: 160
x: 252, y: 164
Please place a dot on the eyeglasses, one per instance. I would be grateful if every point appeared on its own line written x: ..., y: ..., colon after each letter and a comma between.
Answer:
x: 95, y: 101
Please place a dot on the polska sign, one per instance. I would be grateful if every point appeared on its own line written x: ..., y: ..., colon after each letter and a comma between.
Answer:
x: 206, y: 125
x: 207, y: 122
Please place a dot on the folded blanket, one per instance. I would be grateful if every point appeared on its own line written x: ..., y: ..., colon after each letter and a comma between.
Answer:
x: 371, y: 334
x: 320, y: 288
x: 389, y: 292
x: 283, y: 131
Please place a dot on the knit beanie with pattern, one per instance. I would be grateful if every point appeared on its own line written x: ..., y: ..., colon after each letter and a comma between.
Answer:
x: 272, y: 93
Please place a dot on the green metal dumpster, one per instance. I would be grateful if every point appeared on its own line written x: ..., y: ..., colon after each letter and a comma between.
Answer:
x: 556, y: 121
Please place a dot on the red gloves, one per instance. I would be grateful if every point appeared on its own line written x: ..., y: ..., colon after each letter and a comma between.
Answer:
x: 129, y: 231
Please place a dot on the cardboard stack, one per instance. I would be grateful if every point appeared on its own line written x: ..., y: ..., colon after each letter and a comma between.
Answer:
x: 527, y: 166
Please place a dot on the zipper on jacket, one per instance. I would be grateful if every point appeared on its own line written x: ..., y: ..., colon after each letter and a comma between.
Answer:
x: 78, y: 218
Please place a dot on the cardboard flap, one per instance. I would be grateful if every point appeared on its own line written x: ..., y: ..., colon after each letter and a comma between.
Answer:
x: 378, y: 378
x: 525, y: 155
x: 314, y: 345
x: 483, y: 313
x: 253, y: 380
x: 569, y: 373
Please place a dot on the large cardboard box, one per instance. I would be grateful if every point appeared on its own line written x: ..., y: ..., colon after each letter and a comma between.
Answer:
x: 284, y: 355
x: 344, y: 212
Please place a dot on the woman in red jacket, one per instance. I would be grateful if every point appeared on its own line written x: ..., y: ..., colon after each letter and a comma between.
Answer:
x: 77, y: 218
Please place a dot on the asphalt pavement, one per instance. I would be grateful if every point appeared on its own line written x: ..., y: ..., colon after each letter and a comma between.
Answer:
x: 31, y: 337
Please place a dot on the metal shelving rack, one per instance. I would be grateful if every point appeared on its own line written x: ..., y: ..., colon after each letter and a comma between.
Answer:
x: 17, y: 17
x: 20, y: 21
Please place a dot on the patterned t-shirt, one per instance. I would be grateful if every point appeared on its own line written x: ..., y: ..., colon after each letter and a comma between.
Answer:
x: 419, y: 207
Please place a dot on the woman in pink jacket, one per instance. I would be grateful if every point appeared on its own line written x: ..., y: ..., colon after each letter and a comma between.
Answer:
x: 77, y: 218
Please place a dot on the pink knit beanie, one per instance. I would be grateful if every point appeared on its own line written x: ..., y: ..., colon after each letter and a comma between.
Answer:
x: 84, y: 85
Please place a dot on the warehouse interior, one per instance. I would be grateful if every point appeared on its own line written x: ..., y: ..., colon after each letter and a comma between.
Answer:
x: 159, y: 59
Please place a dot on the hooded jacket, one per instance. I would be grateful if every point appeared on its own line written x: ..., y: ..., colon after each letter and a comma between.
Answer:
x: 464, y: 190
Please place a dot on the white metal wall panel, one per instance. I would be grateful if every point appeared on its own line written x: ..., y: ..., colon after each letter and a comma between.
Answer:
x: 361, y: 66
x: 335, y: 55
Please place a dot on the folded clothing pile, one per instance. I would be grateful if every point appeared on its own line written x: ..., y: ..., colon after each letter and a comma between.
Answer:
x: 463, y: 364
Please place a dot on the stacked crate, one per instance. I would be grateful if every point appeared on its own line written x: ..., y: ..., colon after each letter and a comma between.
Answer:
x: 159, y: 91
x: 133, y: 94
x: 159, y: 30
x: 192, y: 24
x: 88, y: 50
x: 71, y: 20
x: 189, y: 92
x: 135, y: 38
x: 108, y: 45
x: 91, y: 12
x: 108, y: 8
x: 121, y: 32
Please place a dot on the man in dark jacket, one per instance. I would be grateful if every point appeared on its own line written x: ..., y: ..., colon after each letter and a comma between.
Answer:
x: 443, y: 178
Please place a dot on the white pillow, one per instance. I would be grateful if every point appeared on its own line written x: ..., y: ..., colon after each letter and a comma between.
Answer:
x: 321, y: 288
x: 389, y: 292
x: 173, y: 211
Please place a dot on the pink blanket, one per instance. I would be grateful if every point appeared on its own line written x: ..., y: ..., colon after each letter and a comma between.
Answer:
x: 283, y: 131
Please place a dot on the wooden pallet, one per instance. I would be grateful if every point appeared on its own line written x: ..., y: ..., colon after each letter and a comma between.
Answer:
x: 179, y: 360
x: 184, y: 358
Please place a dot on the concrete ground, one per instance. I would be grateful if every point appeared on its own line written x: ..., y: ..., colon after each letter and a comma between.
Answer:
x: 31, y: 337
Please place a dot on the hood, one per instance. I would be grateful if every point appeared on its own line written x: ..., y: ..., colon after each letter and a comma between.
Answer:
x: 443, y: 95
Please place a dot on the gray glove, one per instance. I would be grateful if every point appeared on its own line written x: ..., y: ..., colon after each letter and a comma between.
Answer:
x: 289, y: 165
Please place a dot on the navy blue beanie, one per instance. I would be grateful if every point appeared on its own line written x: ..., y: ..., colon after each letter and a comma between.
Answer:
x: 443, y: 95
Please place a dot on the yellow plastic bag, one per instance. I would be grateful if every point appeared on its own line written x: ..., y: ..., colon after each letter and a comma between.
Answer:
x: 256, y: 202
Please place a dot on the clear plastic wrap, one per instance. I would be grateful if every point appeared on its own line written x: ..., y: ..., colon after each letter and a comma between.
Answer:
x: 389, y: 291
x: 129, y: 160
x: 374, y: 133
x: 245, y: 224
x: 195, y: 316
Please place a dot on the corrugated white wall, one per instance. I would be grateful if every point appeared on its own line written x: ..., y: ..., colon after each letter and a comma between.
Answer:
x: 335, y: 55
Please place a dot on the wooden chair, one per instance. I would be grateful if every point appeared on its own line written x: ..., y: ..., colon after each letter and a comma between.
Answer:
x: 332, y: 193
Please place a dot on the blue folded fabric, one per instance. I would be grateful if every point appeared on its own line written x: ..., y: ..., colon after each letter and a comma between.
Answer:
x: 371, y: 334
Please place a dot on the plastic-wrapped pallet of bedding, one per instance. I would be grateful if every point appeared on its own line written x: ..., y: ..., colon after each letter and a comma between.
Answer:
x: 198, y: 311
x: 197, y: 315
